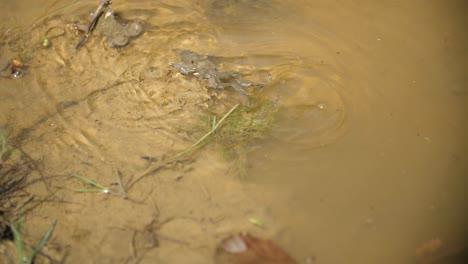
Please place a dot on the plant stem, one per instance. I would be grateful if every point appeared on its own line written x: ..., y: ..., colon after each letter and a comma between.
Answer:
x: 212, y: 131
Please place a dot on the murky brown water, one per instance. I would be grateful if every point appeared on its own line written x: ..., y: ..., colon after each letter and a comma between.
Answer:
x: 366, y: 161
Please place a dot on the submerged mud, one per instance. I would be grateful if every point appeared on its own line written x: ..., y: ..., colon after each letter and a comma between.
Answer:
x: 119, y: 117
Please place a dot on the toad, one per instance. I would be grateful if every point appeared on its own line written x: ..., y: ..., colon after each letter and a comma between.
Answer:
x: 118, y: 35
x: 200, y: 66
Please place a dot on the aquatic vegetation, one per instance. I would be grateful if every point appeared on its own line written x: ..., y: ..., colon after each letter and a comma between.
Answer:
x: 100, y: 188
x: 5, y: 147
x: 18, y: 232
x: 214, y: 126
x: 21, y: 40
x: 13, y: 170
x: 240, y: 126
x: 257, y: 223
x: 247, y: 124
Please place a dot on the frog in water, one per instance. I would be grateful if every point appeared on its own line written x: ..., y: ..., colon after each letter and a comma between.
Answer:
x: 118, y: 35
x: 194, y: 64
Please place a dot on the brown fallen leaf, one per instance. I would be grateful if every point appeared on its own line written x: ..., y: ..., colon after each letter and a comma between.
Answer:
x: 247, y: 249
x: 434, y: 252
x: 428, y: 248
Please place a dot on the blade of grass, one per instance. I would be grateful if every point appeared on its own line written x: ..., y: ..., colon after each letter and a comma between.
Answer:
x: 256, y: 222
x: 213, y: 126
x: 91, y: 190
x: 43, y: 241
x: 17, y: 228
x: 213, y: 129
x: 5, y: 145
x: 216, y: 126
x: 27, y: 48
x: 192, y: 148
x: 21, y: 37
x: 89, y: 181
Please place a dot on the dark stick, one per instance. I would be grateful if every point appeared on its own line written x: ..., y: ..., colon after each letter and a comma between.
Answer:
x: 97, y: 14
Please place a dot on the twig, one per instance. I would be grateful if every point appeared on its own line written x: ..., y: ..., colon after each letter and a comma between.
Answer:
x: 122, y: 190
x: 217, y: 125
x: 151, y: 170
x: 97, y: 14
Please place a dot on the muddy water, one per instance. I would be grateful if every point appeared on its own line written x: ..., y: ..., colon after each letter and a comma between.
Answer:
x: 365, y: 162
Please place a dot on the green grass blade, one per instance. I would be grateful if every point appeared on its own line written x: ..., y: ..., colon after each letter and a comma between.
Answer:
x: 43, y: 241
x: 90, y: 190
x: 18, y: 242
x: 256, y: 222
x: 89, y: 181
x: 17, y: 229
x: 5, y: 145
x: 21, y: 37
x: 213, y: 126
x: 4, y: 140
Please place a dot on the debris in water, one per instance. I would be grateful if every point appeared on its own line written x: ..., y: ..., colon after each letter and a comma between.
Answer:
x: 256, y: 222
x: 16, y: 73
x: 245, y: 249
x: 13, y: 69
x: 234, y: 244
x: 96, y: 15
x: 428, y: 248
x: 50, y: 34
x: 434, y: 251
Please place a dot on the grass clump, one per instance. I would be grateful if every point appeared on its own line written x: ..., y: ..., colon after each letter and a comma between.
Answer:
x: 247, y: 124
x: 236, y: 129
x: 100, y: 188
x: 18, y: 232
x: 13, y: 170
